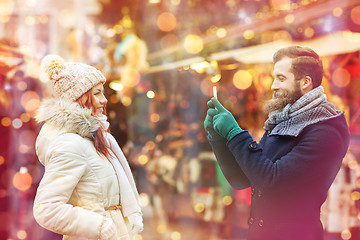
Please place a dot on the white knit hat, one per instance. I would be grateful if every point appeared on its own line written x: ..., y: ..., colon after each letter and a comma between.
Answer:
x: 70, y: 80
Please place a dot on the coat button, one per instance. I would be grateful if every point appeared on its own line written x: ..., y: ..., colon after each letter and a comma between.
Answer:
x: 251, y: 220
x: 261, y: 223
x: 260, y: 193
x: 252, y: 192
x: 253, y: 145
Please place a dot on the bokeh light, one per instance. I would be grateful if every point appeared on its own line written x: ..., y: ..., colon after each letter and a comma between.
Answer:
x: 143, y: 159
x: 341, y: 77
x: 126, y: 101
x: 337, y: 12
x: 242, y: 79
x: 249, y: 34
x: 355, y: 195
x: 150, y: 94
x: 2, y: 160
x: 169, y: 40
x: 30, y: 100
x: 199, y: 207
x: 161, y: 228
x: 289, y: 18
x: 355, y: 15
x: 144, y: 199
x: 175, y: 235
x: 22, y: 180
x: 345, y: 235
x: 6, y: 121
x: 281, y: 4
x: 154, y: 117
x: 166, y: 22
x: 227, y: 200
x: 17, y: 123
x: 221, y: 33
x: 21, y: 234
x: 193, y: 44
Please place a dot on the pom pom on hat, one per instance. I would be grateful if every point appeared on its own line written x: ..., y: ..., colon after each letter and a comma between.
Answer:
x: 70, y: 80
x: 51, y: 65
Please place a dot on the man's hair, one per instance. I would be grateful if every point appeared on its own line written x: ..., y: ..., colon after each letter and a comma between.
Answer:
x: 305, y: 62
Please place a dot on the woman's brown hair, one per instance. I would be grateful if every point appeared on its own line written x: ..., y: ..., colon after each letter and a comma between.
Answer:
x: 87, y: 100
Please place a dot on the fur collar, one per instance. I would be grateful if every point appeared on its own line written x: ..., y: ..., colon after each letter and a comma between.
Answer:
x: 68, y: 116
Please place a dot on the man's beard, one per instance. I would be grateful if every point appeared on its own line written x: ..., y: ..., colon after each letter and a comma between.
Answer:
x: 282, y: 98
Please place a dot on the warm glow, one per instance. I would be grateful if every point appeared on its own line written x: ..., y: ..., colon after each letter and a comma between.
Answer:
x: 199, y: 67
x: 341, y: 77
x: 21, y: 234
x: 30, y: 20
x: 161, y: 228
x: 337, y: 12
x: 67, y: 18
x: 166, y: 22
x: 21, y: 85
x: 193, y: 44
x: 227, y: 200
x: 114, y: 99
x: 249, y: 34
x: 169, y: 40
x: 242, y: 79
x: 144, y: 199
x: 199, y: 207
x: 355, y: 15
x: 154, y: 117
x: 281, y: 4
x: 309, y: 32
x: 150, y: 94
x: 282, y: 35
x: 6, y: 7
x: 143, y: 159
x: 126, y: 101
x: 30, y: 100
x: 353, y: 164
x: 150, y: 145
x: 116, y: 86
x: 289, y: 18
x: 345, y: 235
x: 138, y: 237
x: 25, y: 117
x: 175, y: 236
x: 6, y: 121
x: 221, y: 33
x: 355, y: 195
x: 2, y: 160
x: 215, y: 78
x: 22, y: 180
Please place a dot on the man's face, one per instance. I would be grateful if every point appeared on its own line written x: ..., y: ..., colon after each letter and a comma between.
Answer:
x: 286, y: 88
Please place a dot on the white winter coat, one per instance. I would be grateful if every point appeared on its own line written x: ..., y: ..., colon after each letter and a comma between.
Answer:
x: 78, y: 183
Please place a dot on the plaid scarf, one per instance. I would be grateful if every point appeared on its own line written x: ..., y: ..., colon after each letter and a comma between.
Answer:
x: 311, y: 108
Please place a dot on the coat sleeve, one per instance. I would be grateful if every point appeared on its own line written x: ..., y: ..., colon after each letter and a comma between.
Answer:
x: 230, y: 168
x: 64, y: 168
x: 317, y: 156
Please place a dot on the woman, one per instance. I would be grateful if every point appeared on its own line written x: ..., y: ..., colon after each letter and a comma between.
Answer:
x: 87, y: 191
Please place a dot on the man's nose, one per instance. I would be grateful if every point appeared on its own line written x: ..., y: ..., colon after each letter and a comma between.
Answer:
x: 274, y: 85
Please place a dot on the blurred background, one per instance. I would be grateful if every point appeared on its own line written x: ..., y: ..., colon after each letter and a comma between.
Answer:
x: 161, y: 59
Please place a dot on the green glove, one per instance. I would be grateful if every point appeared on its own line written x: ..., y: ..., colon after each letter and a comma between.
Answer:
x: 223, y: 121
x: 208, y: 125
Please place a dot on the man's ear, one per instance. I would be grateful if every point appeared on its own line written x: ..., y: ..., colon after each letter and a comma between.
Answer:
x: 306, y: 84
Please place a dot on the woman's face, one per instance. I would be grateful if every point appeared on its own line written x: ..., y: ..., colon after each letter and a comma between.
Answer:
x: 100, y: 99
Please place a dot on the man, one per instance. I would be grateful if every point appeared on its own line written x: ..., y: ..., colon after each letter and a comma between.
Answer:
x: 292, y: 167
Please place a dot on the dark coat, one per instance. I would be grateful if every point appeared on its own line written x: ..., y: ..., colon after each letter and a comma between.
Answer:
x: 289, y: 177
